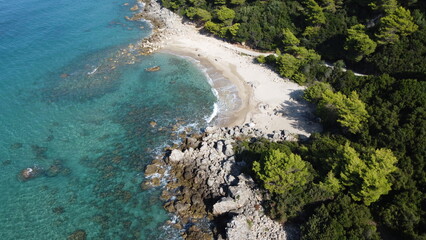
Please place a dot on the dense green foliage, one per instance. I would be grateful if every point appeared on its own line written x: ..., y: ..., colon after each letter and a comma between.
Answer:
x: 280, y: 171
x: 368, y: 167
x: 398, y: 23
x: 341, y: 219
x: 349, y: 110
x: 358, y: 43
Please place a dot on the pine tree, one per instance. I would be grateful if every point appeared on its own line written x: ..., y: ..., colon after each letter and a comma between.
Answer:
x: 358, y: 44
x: 289, y: 39
x: 367, y: 179
x: 392, y: 26
x: 314, y: 13
x: 281, y: 172
x: 350, y: 110
x: 387, y: 6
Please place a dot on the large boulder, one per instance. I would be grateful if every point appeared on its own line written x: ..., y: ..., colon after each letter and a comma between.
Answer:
x: 224, y: 205
x: 176, y: 155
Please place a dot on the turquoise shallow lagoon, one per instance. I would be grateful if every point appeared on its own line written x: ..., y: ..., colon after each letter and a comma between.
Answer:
x: 77, y: 103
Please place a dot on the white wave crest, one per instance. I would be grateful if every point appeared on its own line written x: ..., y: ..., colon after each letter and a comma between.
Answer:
x: 214, y: 113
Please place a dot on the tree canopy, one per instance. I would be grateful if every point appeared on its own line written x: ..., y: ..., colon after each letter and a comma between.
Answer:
x: 358, y: 43
x: 397, y: 24
x: 280, y: 171
x: 350, y: 110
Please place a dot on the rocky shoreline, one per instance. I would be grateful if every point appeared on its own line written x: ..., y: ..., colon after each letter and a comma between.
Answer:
x: 204, y: 184
x: 163, y: 23
x: 207, y: 190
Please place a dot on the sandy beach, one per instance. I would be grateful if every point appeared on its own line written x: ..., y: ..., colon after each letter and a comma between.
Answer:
x: 267, y: 100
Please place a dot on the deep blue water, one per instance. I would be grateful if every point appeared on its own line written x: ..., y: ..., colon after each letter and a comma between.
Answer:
x: 77, y: 103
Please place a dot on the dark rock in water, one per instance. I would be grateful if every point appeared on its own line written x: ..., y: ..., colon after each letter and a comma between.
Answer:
x: 195, y: 233
x: 104, y: 137
x: 127, y: 224
x: 6, y: 162
x: 53, y: 170
x: 39, y: 151
x: 78, y: 235
x: 85, y: 133
x: 58, y: 210
x: 66, y: 171
x: 30, y: 173
x: 50, y: 138
x: 57, y: 169
x: 16, y: 146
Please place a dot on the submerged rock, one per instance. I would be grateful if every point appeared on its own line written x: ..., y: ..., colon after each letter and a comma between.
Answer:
x: 39, y: 152
x: 78, y: 235
x: 58, y: 210
x: 16, y: 146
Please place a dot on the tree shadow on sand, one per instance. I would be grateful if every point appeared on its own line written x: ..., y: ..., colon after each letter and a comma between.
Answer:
x: 301, y: 111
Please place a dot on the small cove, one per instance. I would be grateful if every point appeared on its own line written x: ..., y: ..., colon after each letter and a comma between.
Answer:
x: 73, y: 105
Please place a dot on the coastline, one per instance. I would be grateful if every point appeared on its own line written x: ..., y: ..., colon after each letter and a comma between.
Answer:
x: 268, y: 101
x: 239, y: 114
x: 203, y: 179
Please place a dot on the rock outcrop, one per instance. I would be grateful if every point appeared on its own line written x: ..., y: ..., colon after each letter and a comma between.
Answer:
x: 206, y: 183
x: 163, y: 25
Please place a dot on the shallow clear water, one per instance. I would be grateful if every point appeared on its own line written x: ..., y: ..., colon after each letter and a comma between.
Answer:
x: 78, y: 104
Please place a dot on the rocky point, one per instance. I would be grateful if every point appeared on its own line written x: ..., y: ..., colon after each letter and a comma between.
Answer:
x: 204, y: 185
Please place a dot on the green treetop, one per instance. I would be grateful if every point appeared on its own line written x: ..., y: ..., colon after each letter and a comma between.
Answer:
x: 358, y: 44
x: 331, y: 5
x: 350, y: 109
x: 367, y: 179
x: 338, y: 220
x: 392, y: 26
x: 289, y: 39
x: 314, y: 13
x: 198, y: 14
x: 237, y: 2
x: 287, y: 65
x: 387, y: 6
x: 198, y: 3
x: 226, y: 15
x: 220, y: 2
x: 314, y: 92
x: 281, y: 172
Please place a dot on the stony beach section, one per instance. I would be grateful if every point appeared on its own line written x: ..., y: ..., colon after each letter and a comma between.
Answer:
x: 204, y: 184
x: 165, y: 25
x: 266, y: 99
x: 207, y: 189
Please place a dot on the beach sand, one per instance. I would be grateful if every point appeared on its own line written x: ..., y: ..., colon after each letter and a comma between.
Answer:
x: 267, y: 100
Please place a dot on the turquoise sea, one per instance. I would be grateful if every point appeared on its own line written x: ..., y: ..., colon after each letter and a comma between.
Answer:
x: 78, y: 105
